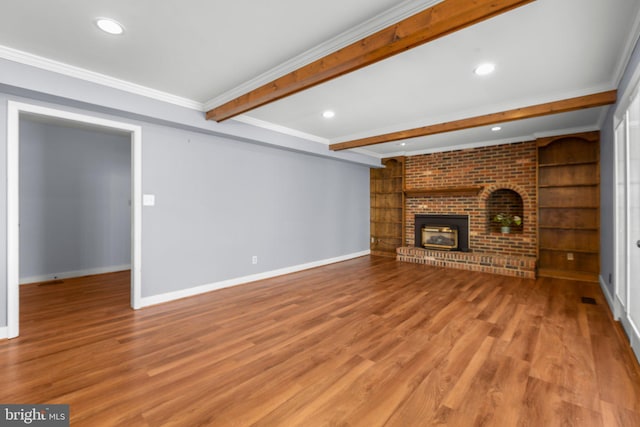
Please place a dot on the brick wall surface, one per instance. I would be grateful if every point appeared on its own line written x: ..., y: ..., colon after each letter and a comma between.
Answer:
x: 508, y: 166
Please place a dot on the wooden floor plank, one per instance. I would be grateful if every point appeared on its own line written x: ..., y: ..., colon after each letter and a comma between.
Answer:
x: 369, y: 342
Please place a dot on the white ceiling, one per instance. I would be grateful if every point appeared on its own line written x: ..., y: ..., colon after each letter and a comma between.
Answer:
x: 205, y: 52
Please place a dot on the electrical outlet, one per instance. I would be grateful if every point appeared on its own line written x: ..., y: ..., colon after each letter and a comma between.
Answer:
x: 254, y: 259
x: 570, y: 256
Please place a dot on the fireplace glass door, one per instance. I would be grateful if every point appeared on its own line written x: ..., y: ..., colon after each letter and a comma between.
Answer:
x: 439, y: 237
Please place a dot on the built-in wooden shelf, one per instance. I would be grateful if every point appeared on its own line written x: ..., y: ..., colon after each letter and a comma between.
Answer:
x: 557, y: 227
x: 578, y: 251
x: 568, y: 186
x: 559, y: 164
x: 387, y: 237
x: 446, y: 191
x: 568, y: 207
x: 569, y: 275
x: 387, y: 207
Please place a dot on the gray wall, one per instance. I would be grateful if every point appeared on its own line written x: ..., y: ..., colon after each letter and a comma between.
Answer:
x: 219, y: 201
x: 75, y: 190
x: 607, y: 180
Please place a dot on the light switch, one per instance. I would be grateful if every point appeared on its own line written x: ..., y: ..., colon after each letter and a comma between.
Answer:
x: 148, y: 199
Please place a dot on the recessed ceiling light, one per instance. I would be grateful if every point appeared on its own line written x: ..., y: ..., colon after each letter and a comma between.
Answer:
x: 110, y: 26
x: 496, y: 128
x: 328, y: 114
x: 402, y: 144
x: 484, y: 69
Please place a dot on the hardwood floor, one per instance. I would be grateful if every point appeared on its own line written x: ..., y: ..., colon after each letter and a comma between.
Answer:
x: 367, y: 342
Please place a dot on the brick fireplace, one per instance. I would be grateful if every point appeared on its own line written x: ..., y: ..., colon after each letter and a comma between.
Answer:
x: 480, y: 183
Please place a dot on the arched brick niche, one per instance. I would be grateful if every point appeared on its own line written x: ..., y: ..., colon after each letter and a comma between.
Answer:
x: 504, y: 201
x: 510, y: 198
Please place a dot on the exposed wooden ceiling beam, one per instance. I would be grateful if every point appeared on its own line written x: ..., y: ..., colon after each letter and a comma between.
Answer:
x: 439, y: 20
x: 555, y: 107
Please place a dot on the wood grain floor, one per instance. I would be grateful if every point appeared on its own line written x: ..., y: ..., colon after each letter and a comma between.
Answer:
x: 367, y: 342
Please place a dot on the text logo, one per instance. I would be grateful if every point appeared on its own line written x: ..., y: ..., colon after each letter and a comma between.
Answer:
x: 34, y: 415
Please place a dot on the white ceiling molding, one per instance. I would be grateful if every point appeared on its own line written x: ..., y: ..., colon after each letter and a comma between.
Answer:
x: 568, y: 131
x: 479, y: 144
x: 377, y: 155
x: 93, y: 77
x: 634, y: 35
x: 626, y: 98
x: 280, y: 129
x: 453, y: 147
x: 390, y: 17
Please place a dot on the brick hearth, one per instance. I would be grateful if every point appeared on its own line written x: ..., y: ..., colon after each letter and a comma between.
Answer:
x: 505, y: 265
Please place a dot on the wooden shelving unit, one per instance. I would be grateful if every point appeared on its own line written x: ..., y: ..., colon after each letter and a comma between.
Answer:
x: 569, y: 207
x: 387, y: 207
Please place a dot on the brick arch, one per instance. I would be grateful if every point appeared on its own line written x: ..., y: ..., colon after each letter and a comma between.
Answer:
x: 529, y: 208
x: 527, y: 201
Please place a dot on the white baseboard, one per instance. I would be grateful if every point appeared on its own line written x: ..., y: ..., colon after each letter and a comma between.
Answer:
x: 617, y: 309
x: 633, y: 334
x: 76, y: 273
x: 184, y: 293
x: 614, y: 305
x: 4, y: 332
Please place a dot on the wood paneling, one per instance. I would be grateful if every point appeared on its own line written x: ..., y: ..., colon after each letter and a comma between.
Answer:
x: 439, y: 20
x: 555, y: 107
x: 367, y: 342
x: 569, y: 202
x: 387, y: 207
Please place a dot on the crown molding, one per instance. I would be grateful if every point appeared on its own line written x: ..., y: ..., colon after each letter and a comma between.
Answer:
x: 478, y: 144
x: 634, y: 36
x: 397, y: 13
x: 47, y: 64
x: 464, y: 146
x: 567, y: 131
x: 280, y: 129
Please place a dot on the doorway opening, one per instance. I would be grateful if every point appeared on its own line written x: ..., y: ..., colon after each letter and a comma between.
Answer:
x: 20, y: 111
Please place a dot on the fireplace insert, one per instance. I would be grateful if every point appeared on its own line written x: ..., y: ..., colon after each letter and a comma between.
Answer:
x: 439, y: 237
x: 459, y: 223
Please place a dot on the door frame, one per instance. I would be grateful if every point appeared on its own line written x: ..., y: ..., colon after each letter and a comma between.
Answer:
x: 14, y: 110
x: 621, y: 235
x: 624, y: 308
